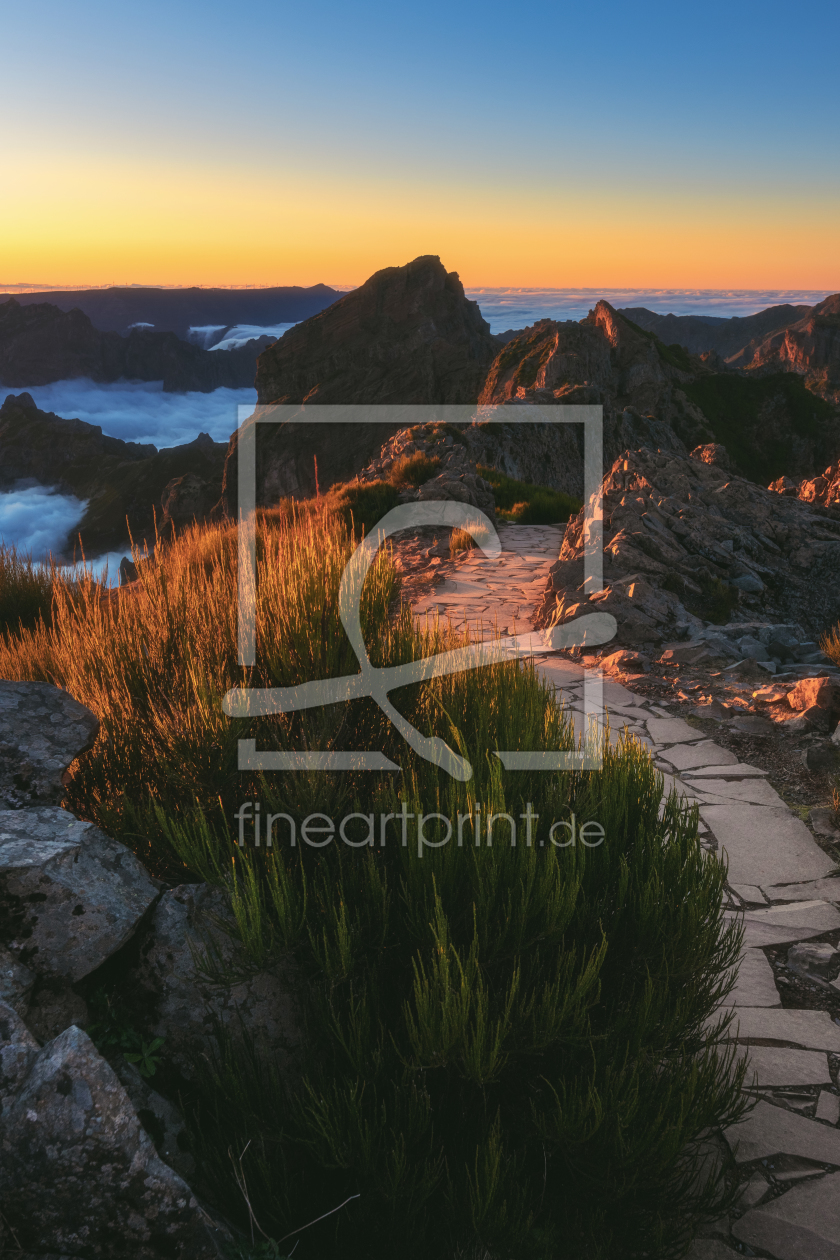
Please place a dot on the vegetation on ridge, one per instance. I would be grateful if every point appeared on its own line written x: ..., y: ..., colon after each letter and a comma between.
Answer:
x: 507, y: 1045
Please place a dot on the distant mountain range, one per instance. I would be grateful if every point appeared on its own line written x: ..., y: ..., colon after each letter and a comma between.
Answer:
x: 177, y: 310
x: 701, y: 333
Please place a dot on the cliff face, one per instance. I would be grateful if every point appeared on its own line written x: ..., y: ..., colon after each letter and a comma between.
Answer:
x: 40, y: 344
x: 809, y: 347
x: 407, y: 335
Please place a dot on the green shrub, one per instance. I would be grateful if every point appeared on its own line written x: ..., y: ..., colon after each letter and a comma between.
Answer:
x: 25, y: 590
x: 526, y: 504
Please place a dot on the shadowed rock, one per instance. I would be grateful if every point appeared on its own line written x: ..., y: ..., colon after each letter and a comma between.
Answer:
x: 78, y: 1173
x: 42, y: 731
x: 70, y: 896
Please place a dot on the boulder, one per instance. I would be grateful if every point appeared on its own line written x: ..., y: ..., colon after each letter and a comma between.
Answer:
x: 42, y: 731
x: 713, y: 453
x: 821, y: 693
x: 70, y: 896
x: 78, y: 1173
x: 159, y: 1117
x: 192, y: 922
x: 625, y: 661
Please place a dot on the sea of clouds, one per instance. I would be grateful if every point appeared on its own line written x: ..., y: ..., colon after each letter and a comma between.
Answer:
x: 38, y: 521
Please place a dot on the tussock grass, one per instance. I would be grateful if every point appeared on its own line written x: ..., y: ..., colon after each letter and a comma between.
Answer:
x: 508, y: 1046
x: 26, y: 589
x: 526, y: 504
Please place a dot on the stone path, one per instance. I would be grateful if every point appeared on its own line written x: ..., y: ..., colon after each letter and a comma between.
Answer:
x: 787, y: 1151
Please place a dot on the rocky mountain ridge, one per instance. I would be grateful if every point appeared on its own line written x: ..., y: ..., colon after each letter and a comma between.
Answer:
x: 128, y: 486
x: 40, y: 344
x: 119, y: 308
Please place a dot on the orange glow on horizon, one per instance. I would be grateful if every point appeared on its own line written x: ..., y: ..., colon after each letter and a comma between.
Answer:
x: 170, y: 226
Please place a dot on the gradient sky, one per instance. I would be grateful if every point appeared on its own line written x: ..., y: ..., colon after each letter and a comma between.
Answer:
x: 550, y: 144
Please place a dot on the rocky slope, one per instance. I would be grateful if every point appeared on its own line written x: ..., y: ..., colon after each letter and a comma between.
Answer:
x: 40, y: 343
x: 809, y: 347
x: 702, y: 333
x: 120, y: 480
x: 685, y: 541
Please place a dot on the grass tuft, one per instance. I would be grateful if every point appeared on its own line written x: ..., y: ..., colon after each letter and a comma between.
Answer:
x: 526, y: 504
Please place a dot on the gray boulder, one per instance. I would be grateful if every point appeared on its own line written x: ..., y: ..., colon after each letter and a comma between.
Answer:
x: 16, y: 982
x: 159, y: 1117
x: 70, y: 896
x: 189, y: 924
x: 78, y: 1173
x: 42, y: 731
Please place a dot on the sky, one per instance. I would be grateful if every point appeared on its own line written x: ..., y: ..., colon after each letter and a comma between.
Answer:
x: 554, y: 144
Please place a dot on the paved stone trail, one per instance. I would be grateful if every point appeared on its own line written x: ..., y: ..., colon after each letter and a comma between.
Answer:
x: 779, y: 881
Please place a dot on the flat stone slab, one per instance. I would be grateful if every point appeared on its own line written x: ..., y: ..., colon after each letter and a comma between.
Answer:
x: 42, y: 732
x: 739, y: 771
x: 803, y: 1224
x: 709, y: 1249
x: 694, y: 756
x: 752, y: 791
x: 817, y: 913
x: 670, y: 730
x: 778, y: 1065
x: 828, y: 1107
x: 756, y: 985
x: 765, y: 845
x: 814, y: 1030
x: 827, y: 889
x: 770, y: 1130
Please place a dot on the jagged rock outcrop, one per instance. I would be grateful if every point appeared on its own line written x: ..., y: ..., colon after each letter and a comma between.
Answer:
x: 187, y: 1006
x: 79, y: 1175
x: 40, y: 343
x: 447, y: 470
x: 809, y: 347
x: 687, y: 542
x: 121, y: 481
x: 823, y: 489
x: 711, y: 334
x: 407, y: 336
x: 42, y: 732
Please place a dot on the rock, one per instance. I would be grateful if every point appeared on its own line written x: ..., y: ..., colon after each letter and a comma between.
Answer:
x: 778, y: 1065
x: 42, y: 732
x: 625, y: 661
x: 813, y: 958
x: 810, y: 347
x: 752, y: 649
x: 70, y: 896
x: 824, y: 822
x: 16, y: 982
x: 749, y: 583
x: 468, y: 488
x: 770, y: 1130
x: 128, y: 571
x: 820, y: 758
x: 803, y: 1224
x: 713, y: 453
x: 39, y: 343
x: 187, y: 1006
x: 821, y: 693
x: 684, y: 654
x: 54, y: 1007
x: 17, y: 1050
x: 828, y: 1107
x: 79, y: 1174
x: 687, y: 534
x: 785, y: 485
x: 752, y: 725
x: 159, y: 1117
